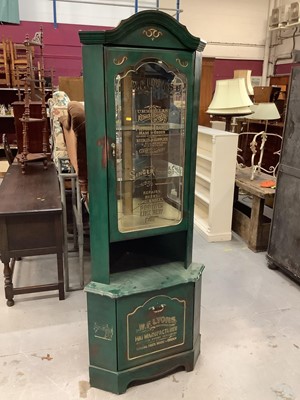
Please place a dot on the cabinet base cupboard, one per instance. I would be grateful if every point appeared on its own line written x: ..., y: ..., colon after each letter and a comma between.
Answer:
x: 141, y: 89
x: 143, y: 325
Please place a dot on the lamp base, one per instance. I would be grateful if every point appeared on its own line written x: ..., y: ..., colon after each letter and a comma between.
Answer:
x: 228, y: 123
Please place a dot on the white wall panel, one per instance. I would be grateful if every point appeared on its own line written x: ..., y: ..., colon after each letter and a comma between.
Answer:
x: 232, y: 28
x: 73, y: 13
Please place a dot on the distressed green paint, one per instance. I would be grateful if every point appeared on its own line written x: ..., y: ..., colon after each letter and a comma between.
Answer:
x: 162, y: 298
x: 192, y: 156
x: 117, y: 381
x: 130, y: 33
x: 102, y: 327
x: 95, y: 109
x: 157, y: 285
x: 99, y: 51
x: 169, y: 315
x: 158, y: 277
x: 197, y: 304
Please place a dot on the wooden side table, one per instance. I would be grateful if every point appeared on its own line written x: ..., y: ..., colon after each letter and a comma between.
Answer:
x: 30, y: 223
x: 251, y: 223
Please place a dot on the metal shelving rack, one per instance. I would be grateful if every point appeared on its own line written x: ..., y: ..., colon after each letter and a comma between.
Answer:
x: 136, y: 6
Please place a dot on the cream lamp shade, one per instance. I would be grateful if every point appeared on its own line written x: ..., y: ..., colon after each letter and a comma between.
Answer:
x: 265, y: 111
x: 230, y: 111
x: 246, y: 74
x: 230, y: 98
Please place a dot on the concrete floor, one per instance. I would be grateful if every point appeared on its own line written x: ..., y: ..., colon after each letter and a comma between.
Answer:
x: 250, y: 325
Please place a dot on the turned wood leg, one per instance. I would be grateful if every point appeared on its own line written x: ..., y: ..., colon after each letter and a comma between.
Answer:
x: 60, y: 273
x: 23, y: 168
x: 8, y: 285
x: 255, y: 222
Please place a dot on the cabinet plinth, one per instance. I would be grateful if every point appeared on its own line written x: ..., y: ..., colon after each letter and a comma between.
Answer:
x: 158, y: 314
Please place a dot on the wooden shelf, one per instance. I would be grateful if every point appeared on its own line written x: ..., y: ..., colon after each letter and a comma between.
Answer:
x: 206, y: 157
x: 202, y: 196
x: 215, y: 175
x: 31, y: 157
x: 28, y: 120
x: 201, y: 175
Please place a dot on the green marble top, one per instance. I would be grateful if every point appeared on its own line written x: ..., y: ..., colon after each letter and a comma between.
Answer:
x: 146, y: 279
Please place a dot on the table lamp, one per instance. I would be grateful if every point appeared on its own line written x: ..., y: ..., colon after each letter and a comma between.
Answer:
x: 230, y: 99
x: 264, y: 111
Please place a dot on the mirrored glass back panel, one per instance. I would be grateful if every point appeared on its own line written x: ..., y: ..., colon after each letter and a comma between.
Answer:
x: 150, y: 101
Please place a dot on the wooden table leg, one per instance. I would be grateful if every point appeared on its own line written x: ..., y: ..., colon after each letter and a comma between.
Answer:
x: 60, y: 275
x: 8, y: 285
x: 257, y: 211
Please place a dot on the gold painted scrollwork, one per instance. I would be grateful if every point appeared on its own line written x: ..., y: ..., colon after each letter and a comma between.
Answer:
x: 183, y: 64
x: 152, y: 33
x: 120, y: 60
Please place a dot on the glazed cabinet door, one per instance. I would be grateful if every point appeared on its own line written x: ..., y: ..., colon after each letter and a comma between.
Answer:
x: 148, y: 140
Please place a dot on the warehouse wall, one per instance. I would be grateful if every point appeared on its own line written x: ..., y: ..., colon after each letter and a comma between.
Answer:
x: 284, y: 43
x: 72, y: 13
x: 62, y: 48
x: 234, y: 30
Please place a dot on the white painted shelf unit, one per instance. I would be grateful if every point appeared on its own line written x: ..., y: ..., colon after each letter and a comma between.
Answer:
x: 215, y: 177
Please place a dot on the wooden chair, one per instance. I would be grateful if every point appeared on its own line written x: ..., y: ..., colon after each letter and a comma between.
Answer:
x: 19, y: 63
x: 67, y: 122
x: 4, y: 64
x: 73, y: 126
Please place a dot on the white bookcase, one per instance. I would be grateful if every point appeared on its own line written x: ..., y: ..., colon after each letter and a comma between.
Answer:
x: 215, y: 177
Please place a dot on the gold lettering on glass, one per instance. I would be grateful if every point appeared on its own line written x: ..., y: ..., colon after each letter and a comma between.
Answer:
x: 150, y: 104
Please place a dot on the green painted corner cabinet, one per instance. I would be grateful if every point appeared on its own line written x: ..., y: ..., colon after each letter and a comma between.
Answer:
x: 141, y: 85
